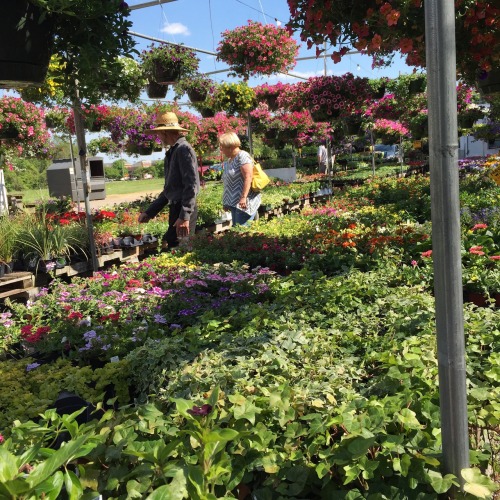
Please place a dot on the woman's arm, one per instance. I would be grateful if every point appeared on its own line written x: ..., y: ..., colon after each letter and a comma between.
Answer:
x: 247, y: 173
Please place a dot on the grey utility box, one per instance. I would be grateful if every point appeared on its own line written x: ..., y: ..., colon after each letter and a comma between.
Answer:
x: 64, y: 179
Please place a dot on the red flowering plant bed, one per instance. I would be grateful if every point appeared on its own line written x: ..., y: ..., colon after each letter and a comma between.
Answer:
x: 257, y: 49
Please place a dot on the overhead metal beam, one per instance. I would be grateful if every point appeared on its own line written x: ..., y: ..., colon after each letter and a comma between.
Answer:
x: 149, y: 4
x: 351, y: 52
x: 159, y: 40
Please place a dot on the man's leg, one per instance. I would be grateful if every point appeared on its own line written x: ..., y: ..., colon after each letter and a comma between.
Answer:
x: 170, y: 237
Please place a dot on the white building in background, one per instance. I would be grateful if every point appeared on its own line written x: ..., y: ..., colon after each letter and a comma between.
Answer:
x: 469, y: 147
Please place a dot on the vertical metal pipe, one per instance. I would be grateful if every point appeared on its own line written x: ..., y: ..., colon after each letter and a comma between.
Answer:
x: 443, y: 145
x: 249, y: 129
x: 82, y: 153
x: 372, y: 142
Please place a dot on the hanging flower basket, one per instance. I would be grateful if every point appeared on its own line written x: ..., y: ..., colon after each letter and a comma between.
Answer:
x: 320, y: 115
x: 50, y: 122
x: 94, y: 127
x: 271, y: 133
x: 465, y: 121
x: 144, y: 150
x: 9, y: 132
x: 207, y: 112
x: 257, y: 49
x: 168, y: 63
x: 166, y: 74
x: 379, y: 93
x: 25, y: 44
x: 489, y: 83
x: 352, y: 126
x: 196, y: 95
x: 418, y: 132
x: 156, y: 90
x: 272, y: 102
x: 417, y: 85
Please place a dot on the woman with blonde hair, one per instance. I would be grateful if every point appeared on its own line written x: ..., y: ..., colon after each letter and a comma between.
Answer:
x: 238, y: 197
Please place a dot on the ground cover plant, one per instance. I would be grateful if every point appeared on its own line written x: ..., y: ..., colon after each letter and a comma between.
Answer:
x: 319, y: 381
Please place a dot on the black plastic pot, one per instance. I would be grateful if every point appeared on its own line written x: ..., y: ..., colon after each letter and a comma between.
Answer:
x: 489, y: 83
x: 25, y: 44
x: 156, y: 90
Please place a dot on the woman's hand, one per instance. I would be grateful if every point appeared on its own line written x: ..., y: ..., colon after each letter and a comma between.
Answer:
x: 243, y: 203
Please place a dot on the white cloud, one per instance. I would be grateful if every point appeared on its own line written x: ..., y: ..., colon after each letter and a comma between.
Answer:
x: 175, y: 29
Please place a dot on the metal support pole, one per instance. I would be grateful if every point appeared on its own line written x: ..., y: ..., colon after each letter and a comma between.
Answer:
x: 249, y: 129
x: 373, y: 152
x: 445, y: 209
x: 82, y: 153
x: 75, y: 176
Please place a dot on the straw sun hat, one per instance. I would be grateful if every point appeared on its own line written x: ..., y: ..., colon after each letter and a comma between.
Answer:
x: 167, y: 121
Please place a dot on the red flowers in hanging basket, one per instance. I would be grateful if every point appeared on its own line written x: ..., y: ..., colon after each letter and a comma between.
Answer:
x: 257, y: 49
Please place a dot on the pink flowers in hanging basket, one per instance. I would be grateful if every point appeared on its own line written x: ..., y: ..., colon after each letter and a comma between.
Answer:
x: 257, y: 49
x: 389, y: 130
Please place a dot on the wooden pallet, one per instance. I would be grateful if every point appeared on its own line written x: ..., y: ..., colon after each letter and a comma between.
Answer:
x: 16, y: 284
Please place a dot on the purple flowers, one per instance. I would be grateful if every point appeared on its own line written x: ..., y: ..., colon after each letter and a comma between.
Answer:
x: 200, y: 411
x: 32, y: 366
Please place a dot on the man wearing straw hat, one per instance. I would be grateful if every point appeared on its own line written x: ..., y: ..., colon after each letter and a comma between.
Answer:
x: 182, y: 182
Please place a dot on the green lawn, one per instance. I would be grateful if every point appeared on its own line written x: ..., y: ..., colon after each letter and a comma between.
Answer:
x: 149, y: 185
x: 117, y: 187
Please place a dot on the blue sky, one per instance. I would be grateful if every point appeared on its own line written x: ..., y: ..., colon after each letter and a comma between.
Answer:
x: 199, y: 24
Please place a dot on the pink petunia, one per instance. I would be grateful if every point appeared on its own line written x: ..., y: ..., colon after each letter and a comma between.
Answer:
x: 477, y: 250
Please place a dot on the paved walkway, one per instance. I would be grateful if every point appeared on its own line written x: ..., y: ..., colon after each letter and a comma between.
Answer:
x: 114, y: 199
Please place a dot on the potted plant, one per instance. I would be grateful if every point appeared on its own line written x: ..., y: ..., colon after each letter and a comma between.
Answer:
x: 42, y: 242
x: 257, y: 49
x: 92, y: 58
x: 56, y: 118
x: 389, y: 131
x: 138, y: 140
x: 418, y: 124
x: 197, y: 87
x: 486, y: 131
x: 26, y: 40
x: 103, y: 145
x: 103, y: 241
x: 23, y: 126
x: 234, y: 98
x: 130, y: 84
x: 96, y: 116
x: 156, y: 90
x: 167, y: 63
x: 8, y: 243
x: 269, y: 94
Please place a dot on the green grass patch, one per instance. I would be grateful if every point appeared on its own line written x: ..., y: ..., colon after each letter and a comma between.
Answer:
x: 117, y: 187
